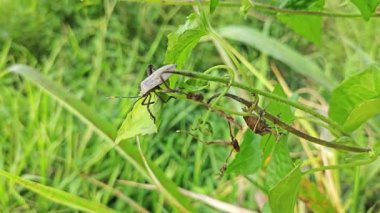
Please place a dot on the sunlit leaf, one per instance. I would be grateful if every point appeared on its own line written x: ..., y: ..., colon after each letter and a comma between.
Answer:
x: 366, y: 7
x: 297, y: 62
x: 283, y: 196
x: 249, y: 159
x: 310, y: 27
x: 57, y: 195
x: 183, y: 40
x: 138, y: 120
x: 356, y: 99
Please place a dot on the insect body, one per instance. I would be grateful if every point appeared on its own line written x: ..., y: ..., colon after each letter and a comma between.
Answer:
x: 257, y: 125
x: 155, y: 78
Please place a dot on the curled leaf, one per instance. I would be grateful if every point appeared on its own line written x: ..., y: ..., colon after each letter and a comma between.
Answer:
x: 139, y: 121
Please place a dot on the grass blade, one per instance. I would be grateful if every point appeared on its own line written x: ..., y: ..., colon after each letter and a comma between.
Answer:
x: 279, y: 51
x: 57, y: 195
x: 102, y: 127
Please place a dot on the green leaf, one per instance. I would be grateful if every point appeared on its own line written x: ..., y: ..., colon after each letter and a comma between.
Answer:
x: 139, y: 120
x: 266, y: 208
x: 366, y: 7
x: 103, y: 128
x: 281, y: 110
x: 283, y: 196
x: 57, y: 195
x: 182, y: 41
x: 280, y: 164
x: 310, y: 27
x: 356, y: 99
x: 297, y: 62
x: 248, y: 160
x: 315, y: 200
x: 267, y: 145
x: 213, y: 5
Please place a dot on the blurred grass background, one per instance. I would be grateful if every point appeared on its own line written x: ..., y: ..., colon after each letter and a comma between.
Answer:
x: 97, y: 49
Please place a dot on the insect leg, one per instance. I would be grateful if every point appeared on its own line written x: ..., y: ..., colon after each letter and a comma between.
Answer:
x: 217, y: 142
x: 150, y: 69
x: 166, y: 83
x: 234, y: 142
x: 253, y: 105
x: 163, y: 100
x: 224, y: 167
x: 149, y: 97
x: 235, y: 146
x: 261, y: 114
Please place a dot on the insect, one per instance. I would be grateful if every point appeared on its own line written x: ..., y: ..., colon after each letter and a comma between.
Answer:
x: 257, y: 124
x: 235, y: 147
x: 152, y: 82
x: 155, y: 78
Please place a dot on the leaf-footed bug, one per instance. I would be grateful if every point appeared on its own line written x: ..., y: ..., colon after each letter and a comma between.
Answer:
x: 150, y: 84
x: 155, y: 78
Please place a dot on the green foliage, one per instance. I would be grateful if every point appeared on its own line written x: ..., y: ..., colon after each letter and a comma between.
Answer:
x: 284, y: 112
x: 356, y: 99
x: 280, y: 164
x: 15, y: 23
x: 77, y: 107
x: 283, y: 196
x: 296, y: 61
x: 299, y: 4
x: 249, y: 159
x: 307, y: 26
x: 245, y: 6
x: 98, y: 49
x: 213, y: 5
x: 366, y: 7
x: 253, y: 151
x: 184, y: 39
x: 193, y: 85
x: 281, y: 110
x: 57, y: 195
x: 104, y: 129
x: 138, y: 120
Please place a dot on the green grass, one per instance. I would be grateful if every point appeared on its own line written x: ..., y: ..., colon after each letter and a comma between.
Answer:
x: 96, y: 49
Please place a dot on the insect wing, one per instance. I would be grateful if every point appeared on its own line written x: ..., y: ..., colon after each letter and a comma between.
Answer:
x: 156, y: 79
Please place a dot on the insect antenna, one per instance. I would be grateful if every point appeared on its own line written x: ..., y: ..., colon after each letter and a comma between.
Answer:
x: 121, y: 97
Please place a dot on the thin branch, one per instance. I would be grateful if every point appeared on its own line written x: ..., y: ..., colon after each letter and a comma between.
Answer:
x: 256, y: 6
x: 274, y: 97
x: 340, y: 166
x: 273, y: 9
x: 275, y: 120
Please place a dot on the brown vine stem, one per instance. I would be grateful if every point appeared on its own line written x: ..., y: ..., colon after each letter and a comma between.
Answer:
x: 275, y: 120
x: 257, y: 6
x: 333, y: 125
